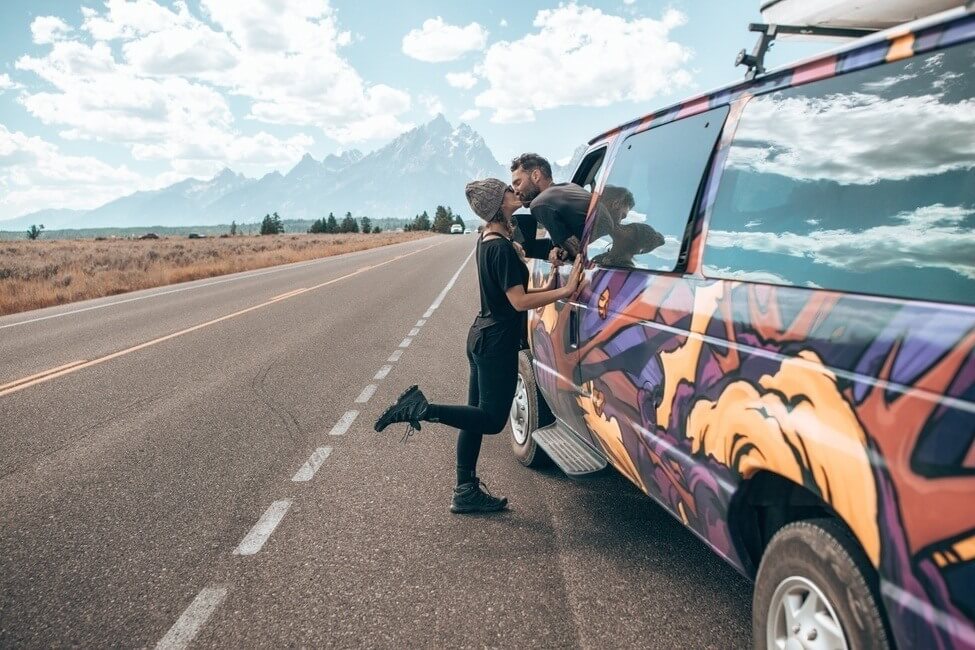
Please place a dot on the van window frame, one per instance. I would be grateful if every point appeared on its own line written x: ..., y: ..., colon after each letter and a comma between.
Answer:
x: 694, y: 214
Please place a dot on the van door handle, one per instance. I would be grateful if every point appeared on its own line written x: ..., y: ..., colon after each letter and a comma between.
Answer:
x: 573, y: 325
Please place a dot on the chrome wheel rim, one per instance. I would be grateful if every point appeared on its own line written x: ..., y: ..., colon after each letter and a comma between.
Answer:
x: 800, y: 617
x: 519, y: 413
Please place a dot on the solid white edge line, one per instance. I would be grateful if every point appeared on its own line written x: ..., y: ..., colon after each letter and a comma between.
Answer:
x: 406, y: 342
x: 450, y: 284
x: 394, y: 357
x: 428, y: 313
x: 344, y: 423
x: 259, y: 534
x: 414, y: 331
x: 421, y: 322
x: 192, y: 619
x: 382, y: 372
x: 308, y: 470
x: 366, y: 394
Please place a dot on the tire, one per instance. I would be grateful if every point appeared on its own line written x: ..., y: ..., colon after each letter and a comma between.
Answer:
x: 528, y: 412
x: 806, y: 556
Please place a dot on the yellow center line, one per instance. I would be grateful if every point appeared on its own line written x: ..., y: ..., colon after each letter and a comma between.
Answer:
x: 41, y: 374
x: 288, y: 294
x: 67, y: 369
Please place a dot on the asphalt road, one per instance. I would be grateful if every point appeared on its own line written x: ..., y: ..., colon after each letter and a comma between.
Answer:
x: 147, y: 493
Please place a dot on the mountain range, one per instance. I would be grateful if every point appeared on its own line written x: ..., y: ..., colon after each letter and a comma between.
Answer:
x: 422, y: 168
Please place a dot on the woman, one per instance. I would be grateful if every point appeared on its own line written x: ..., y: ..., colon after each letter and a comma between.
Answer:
x: 492, y: 344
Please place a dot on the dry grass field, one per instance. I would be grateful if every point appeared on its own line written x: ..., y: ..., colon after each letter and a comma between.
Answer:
x: 35, y: 274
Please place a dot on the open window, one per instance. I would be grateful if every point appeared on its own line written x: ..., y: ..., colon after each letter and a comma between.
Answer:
x: 588, y: 171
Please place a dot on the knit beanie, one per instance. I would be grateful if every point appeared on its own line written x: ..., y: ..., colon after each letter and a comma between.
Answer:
x: 486, y: 197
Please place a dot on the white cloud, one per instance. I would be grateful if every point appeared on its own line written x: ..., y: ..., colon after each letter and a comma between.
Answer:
x: 628, y: 2
x: 35, y: 174
x: 470, y: 115
x: 437, y: 41
x: 47, y: 29
x: 504, y: 22
x: 167, y: 92
x: 597, y: 58
x: 463, y: 80
x: 432, y: 104
x: 6, y: 83
x: 847, y: 138
x: 933, y: 236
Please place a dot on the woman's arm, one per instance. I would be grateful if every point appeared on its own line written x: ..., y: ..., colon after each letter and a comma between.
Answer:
x: 523, y: 301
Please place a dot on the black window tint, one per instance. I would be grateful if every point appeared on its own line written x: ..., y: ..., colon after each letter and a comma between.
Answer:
x: 862, y: 182
x: 647, y: 201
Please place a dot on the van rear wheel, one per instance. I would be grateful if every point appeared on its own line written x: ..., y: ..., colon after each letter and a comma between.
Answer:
x: 528, y: 412
x: 816, y: 589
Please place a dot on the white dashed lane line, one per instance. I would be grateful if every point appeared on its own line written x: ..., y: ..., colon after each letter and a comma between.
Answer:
x: 259, y: 534
x: 381, y: 374
x: 394, y: 357
x: 307, y: 471
x: 414, y: 331
x: 421, y: 322
x: 344, y: 423
x: 406, y: 342
x: 366, y: 394
x: 193, y: 618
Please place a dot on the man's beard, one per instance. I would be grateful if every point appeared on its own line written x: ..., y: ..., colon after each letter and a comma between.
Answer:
x: 528, y: 193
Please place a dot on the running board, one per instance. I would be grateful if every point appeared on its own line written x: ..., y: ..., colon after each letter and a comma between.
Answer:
x: 573, y: 456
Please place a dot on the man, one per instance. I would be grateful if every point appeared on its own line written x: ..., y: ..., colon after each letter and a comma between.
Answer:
x: 561, y: 208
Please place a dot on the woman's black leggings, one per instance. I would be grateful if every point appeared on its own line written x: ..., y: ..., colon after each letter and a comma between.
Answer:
x: 494, y: 374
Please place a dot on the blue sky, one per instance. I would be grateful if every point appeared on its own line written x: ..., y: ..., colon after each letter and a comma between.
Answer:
x: 102, y: 98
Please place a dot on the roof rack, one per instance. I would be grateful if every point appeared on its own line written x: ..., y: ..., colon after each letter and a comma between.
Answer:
x: 755, y: 62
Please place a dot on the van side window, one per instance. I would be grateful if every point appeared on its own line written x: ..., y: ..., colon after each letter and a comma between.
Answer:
x: 588, y: 172
x: 864, y: 182
x: 650, y: 192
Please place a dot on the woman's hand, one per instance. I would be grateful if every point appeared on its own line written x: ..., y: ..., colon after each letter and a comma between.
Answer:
x: 575, y: 277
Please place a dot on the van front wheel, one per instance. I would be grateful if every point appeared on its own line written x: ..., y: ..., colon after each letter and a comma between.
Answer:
x: 816, y: 589
x: 528, y: 412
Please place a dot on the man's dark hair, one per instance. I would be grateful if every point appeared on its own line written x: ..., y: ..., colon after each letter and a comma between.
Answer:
x: 530, y: 162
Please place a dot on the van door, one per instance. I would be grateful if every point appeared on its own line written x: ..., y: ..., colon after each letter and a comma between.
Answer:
x: 554, y: 329
x: 638, y: 307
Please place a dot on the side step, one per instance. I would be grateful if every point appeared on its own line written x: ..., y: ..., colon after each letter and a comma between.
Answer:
x: 573, y: 456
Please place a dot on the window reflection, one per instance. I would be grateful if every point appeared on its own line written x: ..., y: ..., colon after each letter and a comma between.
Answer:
x: 863, y: 182
x: 646, y: 203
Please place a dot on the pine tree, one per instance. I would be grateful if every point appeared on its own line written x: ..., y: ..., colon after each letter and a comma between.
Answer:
x: 332, y: 225
x: 349, y: 224
x: 278, y: 225
x: 376, y: 230
x: 366, y: 224
x: 318, y: 226
x: 267, y: 226
x: 233, y: 228
x: 442, y: 220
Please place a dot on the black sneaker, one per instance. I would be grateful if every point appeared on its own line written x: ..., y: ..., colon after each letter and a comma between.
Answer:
x: 469, y: 497
x: 410, y: 407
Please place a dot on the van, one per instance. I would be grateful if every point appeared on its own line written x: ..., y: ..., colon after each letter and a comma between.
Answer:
x: 776, y: 336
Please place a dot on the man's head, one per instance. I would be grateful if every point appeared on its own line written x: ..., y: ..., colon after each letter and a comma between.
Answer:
x: 530, y: 176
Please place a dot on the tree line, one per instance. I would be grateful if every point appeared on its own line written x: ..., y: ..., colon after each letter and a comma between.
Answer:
x: 443, y: 219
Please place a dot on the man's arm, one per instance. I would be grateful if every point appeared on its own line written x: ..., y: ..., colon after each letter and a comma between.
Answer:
x: 526, y: 234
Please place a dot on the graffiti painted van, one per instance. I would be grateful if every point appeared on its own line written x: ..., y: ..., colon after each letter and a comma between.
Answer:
x: 776, y: 339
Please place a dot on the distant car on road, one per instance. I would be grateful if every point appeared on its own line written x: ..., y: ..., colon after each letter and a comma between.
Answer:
x: 194, y: 235
x: 149, y: 235
x: 467, y: 232
x: 776, y: 338
x: 456, y: 229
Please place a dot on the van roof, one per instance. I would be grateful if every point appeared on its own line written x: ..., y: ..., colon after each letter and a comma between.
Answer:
x: 925, y: 34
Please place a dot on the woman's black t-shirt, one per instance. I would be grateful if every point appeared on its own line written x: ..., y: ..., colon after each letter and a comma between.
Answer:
x: 499, y: 327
